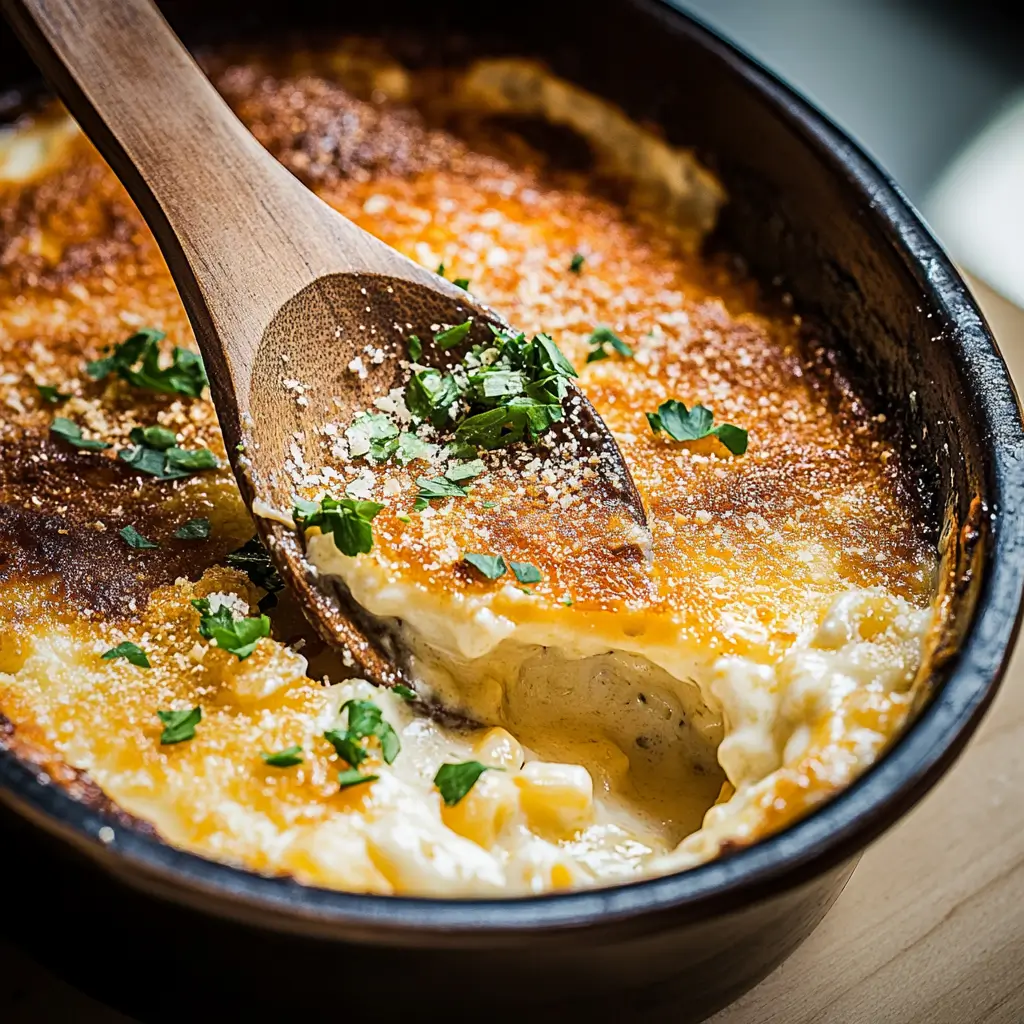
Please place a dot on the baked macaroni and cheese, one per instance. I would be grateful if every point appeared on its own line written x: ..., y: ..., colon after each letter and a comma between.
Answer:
x: 593, y: 702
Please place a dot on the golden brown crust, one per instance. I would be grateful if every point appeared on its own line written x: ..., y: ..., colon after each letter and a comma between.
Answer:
x: 79, y: 271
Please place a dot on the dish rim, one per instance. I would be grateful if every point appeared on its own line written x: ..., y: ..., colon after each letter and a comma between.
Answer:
x: 828, y: 835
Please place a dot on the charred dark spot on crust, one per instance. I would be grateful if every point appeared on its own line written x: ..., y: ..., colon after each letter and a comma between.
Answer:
x: 76, y: 783
x: 60, y: 513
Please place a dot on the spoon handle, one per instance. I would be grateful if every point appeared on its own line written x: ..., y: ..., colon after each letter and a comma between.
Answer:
x: 240, y: 234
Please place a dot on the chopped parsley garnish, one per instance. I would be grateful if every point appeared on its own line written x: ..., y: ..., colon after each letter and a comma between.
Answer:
x: 287, y: 758
x: 682, y: 424
x: 137, y: 360
x: 410, y: 448
x: 420, y: 504
x: 179, y: 725
x: 253, y: 559
x: 346, y: 747
x: 452, y: 336
x: 454, y: 781
x: 71, y: 432
x: 348, y: 520
x: 577, y: 261
x: 462, y: 282
x: 438, y: 487
x: 510, y: 391
x: 430, y: 395
x: 465, y: 470
x: 403, y: 691
x: 498, y: 394
x: 488, y: 504
x: 130, y: 652
x: 239, y: 635
x: 156, y: 437
x: 458, y: 450
x: 525, y: 572
x: 352, y: 777
x: 156, y: 454
x: 193, y: 529
x: 415, y: 348
x: 440, y: 270
x: 372, y: 434
x: 49, y: 394
x: 491, y: 566
x: 606, y: 336
x: 134, y: 539
x: 365, y: 720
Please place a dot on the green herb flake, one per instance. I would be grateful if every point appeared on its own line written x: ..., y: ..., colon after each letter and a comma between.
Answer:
x: 415, y: 348
x: 491, y: 566
x: 410, y: 448
x: 489, y: 504
x: 525, y: 572
x: 462, y: 282
x: 179, y: 725
x: 457, y: 450
x: 155, y: 454
x: 465, y: 470
x: 137, y: 360
x: 287, y: 758
x: 156, y: 437
x: 606, y: 336
x: 365, y: 719
x: 372, y: 435
x: 452, y: 336
x: 49, y: 394
x: 682, y: 424
x: 403, y: 691
x: 454, y: 781
x: 348, y: 520
x: 71, y: 432
x: 500, y: 394
x: 254, y: 560
x: 134, y: 539
x: 438, y: 487
x: 430, y: 395
x: 577, y: 261
x: 238, y: 635
x: 420, y: 504
x: 132, y: 653
x: 346, y: 746
x: 440, y: 270
x: 193, y: 529
x: 352, y: 777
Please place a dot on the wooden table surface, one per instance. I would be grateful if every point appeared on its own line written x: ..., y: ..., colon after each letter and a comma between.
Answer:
x: 930, y: 929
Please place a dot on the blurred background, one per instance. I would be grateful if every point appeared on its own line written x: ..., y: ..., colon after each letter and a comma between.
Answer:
x: 933, y: 89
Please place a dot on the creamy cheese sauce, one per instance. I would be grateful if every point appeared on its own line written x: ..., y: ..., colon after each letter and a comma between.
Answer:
x: 637, y: 715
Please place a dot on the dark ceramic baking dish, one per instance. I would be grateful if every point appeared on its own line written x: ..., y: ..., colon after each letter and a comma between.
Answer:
x: 163, y: 933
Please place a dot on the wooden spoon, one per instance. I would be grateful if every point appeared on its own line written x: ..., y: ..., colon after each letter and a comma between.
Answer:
x: 275, y: 282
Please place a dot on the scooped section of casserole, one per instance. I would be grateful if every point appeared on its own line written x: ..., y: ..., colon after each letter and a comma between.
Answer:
x: 637, y: 713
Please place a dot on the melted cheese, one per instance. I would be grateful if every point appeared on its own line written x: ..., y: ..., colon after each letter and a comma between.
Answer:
x: 645, y: 712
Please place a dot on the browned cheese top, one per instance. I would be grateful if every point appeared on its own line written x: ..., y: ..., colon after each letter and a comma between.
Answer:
x: 816, y: 505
